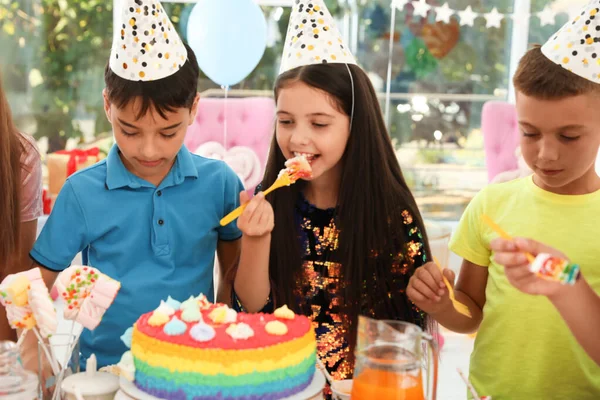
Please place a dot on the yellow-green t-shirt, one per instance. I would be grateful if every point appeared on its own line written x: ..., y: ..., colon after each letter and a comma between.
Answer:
x: 524, y: 350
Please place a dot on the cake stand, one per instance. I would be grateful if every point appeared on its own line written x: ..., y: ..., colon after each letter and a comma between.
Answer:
x: 314, y: 391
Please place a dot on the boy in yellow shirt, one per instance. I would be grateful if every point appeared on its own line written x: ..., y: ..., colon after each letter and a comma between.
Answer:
x: 524, y: 350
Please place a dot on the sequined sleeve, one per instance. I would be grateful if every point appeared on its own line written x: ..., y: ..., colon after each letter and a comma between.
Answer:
x: 413, y: 257
x: 415, y: 246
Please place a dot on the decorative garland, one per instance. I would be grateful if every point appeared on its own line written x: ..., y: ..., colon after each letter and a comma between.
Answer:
x: 467, y: 17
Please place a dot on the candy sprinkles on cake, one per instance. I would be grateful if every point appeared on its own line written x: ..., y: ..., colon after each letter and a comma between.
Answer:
x: 196, y: 350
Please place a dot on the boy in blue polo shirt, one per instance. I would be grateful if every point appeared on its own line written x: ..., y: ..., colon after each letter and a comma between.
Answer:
x: 147, y: 216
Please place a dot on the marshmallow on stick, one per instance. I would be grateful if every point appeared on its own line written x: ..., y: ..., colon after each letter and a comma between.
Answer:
x: 87, y: 293
x: 28, y: 302
x: 29, y: 307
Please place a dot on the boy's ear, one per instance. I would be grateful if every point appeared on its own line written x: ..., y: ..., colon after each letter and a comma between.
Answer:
x: 106, y: 105
x: 194, y: 109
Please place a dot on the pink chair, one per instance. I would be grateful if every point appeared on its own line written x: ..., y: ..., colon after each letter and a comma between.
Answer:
x: 250, y: 123
x: 500, y: 137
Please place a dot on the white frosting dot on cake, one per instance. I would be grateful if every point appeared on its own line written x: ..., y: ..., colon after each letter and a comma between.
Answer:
x: 203, y: 301
x: 191, y: 314
x: 165, y: 309
x: 174, y: 304
x: 223, y: 315
x: 127, y: 336
x: 230, y: 315
x: 175, y: 327
x: 158, y: 319
x: 276, y: 328
x: 191, y: 302
x: 284, y: 312
x: 240, y: 331
x: 202, y: 332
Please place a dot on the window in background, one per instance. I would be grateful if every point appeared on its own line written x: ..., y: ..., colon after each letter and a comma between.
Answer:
x: 54, y: 53
x: 539, y: 33
x: 442, y: 74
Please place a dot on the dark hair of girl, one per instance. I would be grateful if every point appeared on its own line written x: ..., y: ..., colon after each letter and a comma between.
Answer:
x: 372, y: 197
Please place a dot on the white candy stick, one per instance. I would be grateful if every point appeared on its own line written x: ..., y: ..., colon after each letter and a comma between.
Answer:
x: 51, y: 360
x: 69, y: 353
x: 22, y: 338
x: 321, y: 366
x: 469, y: 385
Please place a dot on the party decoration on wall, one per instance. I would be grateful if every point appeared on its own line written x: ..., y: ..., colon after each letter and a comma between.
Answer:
x: 467, y: 17
x: 443, y: 14
x: 421, y: 8
x: 440, y: 38
x: 399, y: 4
x: 493, y: 19
x: 419, y: 59
x: 379, y: 21
x: 547, y: 16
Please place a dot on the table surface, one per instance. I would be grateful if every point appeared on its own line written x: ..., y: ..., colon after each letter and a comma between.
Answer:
x: 455, y: 353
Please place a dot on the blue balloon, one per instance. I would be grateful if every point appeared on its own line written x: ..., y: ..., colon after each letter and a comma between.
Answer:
x: 229, y: 38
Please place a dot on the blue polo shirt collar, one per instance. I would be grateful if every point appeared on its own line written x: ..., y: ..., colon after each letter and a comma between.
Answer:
x: 118, y: 176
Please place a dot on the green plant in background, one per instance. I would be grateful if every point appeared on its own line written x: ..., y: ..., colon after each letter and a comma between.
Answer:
x: 420, y: 59
x: 57, y: 51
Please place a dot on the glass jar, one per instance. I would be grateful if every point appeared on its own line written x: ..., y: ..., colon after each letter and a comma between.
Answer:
x: 15, y: 382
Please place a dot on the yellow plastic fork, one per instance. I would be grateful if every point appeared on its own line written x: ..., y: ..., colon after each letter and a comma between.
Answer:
x: 458, y: 306
x: 502, y: 233
x: 283, y: 180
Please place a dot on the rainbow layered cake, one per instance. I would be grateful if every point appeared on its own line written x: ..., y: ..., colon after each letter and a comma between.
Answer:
x: 196, y: 350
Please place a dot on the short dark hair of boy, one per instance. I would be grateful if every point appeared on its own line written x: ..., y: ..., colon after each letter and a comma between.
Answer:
x: 164, y: 95
x: 539, y: 77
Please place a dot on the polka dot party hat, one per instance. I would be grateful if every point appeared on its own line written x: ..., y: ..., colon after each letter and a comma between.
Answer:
x: 146, y: 46
x: 576, y: 46
x: 313, y: 38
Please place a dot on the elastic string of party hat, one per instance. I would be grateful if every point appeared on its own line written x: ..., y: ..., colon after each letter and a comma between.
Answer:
x: 352, y: 83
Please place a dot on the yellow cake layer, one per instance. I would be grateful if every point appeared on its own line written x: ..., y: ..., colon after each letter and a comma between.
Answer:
x: 217, y: 361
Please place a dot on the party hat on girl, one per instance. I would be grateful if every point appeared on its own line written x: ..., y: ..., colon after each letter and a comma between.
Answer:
x: 313, y: 38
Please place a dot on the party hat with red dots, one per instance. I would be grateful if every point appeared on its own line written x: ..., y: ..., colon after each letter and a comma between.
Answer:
x: 313, y: 38
x: 576, y: 46
x: 146, y: 46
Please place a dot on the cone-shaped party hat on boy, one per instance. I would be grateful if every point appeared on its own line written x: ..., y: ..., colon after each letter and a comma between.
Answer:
x: 576, y: 46
x: 313, y: 38
x: 146, y: 46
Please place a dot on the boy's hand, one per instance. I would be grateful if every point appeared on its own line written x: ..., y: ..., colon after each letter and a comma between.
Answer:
x: 258, y: 218
x: 427, y: 290
x: 511, y: 254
